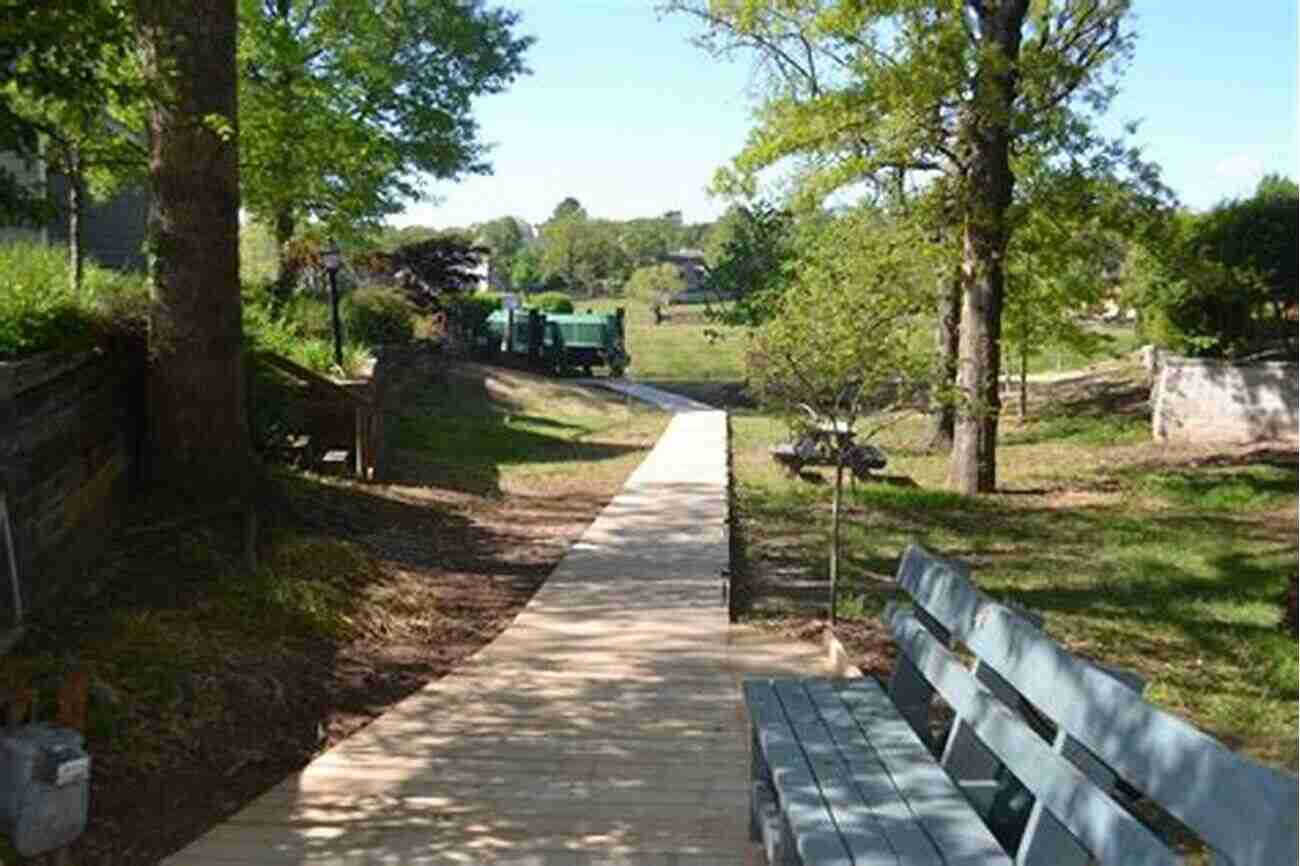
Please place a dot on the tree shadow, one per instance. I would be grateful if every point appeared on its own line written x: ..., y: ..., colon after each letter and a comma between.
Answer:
x: 464, y: 450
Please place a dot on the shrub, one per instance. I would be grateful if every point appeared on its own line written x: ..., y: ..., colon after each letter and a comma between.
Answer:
x: 469, y: 312
x: 311, y: 314
x: 377, y: 317
x: 552, y: 302
x: 40, y: 311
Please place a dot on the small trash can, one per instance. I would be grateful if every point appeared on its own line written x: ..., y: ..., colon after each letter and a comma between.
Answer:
x: 44, y: 787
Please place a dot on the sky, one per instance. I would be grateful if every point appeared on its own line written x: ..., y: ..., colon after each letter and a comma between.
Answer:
x: 622, y: 112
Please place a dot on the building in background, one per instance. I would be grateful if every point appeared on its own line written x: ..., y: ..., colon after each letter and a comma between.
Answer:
x: 113, y: 231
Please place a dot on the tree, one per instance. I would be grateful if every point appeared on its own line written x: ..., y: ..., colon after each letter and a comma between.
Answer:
x: 526, y: 272
x: 753, y: 268
x: 1222, y: 283
x: 348, y: 104
x: 569, y: 207
x: 58, y: 57
x: 879, y: 93
x: 655, y: 284
x: 504, y: 240
x: 812, y: 350
x: 92, y: 139
x: 579, y: 251
x: 198, y: 425
x: 646, y: 241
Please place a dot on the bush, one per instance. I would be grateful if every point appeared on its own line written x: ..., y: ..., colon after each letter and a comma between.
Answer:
x: 469, y: 312
x: 311, y: 314
x: 551, y: 302
x: 378, y: 317
x: 39, y: 311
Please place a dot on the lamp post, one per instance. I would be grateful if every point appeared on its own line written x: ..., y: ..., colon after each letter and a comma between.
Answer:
x: 331, y: 259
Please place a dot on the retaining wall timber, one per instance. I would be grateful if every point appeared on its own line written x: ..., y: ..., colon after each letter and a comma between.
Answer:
x: 68, y: 445
x: 1199, y: 400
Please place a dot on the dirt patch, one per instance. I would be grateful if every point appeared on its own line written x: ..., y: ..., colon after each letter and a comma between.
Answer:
x: 209, y: 685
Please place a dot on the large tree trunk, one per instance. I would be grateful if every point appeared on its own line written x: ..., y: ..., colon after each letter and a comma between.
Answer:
x: 947, y: 332
x: 986, y: 138
x: 198, y: 430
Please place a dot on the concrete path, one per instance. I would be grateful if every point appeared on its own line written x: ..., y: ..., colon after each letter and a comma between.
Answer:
x: 604, y: 726
x: 665, y: 400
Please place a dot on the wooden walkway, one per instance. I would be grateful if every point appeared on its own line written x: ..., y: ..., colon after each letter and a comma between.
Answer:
x: 605, y: 726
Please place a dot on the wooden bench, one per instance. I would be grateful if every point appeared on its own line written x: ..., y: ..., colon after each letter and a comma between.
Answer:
x: 1049, y: 760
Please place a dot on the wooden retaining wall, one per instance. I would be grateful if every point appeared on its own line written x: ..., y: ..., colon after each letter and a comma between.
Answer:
x: 68, y: 445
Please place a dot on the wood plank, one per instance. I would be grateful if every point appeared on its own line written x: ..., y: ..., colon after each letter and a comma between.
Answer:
x: 1111, y: 834
x: 940, y: 808
x: 815, y: 837
x: 1241, y: 808
x: 880, y: 802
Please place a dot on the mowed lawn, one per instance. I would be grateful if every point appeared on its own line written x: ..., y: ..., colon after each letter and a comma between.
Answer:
x: 1167, y: 560
x: 686, y: 352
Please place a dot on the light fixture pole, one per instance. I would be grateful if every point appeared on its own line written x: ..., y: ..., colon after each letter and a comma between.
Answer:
x: 331, y: 259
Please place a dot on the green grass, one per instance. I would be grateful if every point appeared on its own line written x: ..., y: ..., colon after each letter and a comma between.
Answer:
x: 40, y: 311
x: 1165, y: 560
x: 679, y: 350
x: 513, y: 429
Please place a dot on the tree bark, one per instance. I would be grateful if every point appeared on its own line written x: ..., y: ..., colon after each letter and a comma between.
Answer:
x: 286, y: 274
x: 943, y: 414
x: 1024, y: 380
x: 76, y: 204
x: 198, y: 430
x: 986, y: 136
x: 835, y: 535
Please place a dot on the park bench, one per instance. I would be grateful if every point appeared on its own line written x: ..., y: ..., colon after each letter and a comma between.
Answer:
x: 1049, y: 760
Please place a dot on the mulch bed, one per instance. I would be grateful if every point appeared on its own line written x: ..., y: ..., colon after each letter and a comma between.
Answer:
x: 451, y: 571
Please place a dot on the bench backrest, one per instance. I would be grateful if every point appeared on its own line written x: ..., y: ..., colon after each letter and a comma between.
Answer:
x: 1097, y: 728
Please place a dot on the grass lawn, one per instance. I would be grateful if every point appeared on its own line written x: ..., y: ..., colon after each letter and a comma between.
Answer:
x: 1167, y: 560
x: 208, y: 683
x: 678, y: 354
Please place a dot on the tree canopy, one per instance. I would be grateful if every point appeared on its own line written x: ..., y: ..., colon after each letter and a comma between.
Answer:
x: 898, y: 95
x: 347, y: 105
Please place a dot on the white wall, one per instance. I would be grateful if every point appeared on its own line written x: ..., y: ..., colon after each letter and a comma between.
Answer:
x: 1196, y: 400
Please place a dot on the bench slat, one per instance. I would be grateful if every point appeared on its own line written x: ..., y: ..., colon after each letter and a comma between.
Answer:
x: 942, y: 811
x: 815, y: 836
x: 1246, y: 811
x: 943, y: 588
x: 890, y: 815
x: 1104, y: 828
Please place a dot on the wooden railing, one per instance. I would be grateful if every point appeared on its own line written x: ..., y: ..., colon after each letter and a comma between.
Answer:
x: 367, y: 404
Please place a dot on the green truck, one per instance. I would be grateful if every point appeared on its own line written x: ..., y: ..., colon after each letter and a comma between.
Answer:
x: 559, y: 343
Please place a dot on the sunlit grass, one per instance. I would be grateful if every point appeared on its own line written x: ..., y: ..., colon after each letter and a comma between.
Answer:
x: 1163, y: 560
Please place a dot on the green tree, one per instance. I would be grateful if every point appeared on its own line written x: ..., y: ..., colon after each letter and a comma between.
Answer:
x: 581, y: 252
x: 347, y: 104
x: 1222, y: 283
x: 61, y: 62
x: 879, y: 92
x: 754, y: 267
x: 504, y: 240
x: 198, y: 429
x: 811, y: 351
x: 655, y: 284
x: 526, y: 272
x: 93, y: 139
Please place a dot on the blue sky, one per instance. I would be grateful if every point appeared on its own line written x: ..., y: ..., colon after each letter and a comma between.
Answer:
x: 624, y: 113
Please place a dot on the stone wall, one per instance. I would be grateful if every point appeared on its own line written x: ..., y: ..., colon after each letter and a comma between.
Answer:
x: 68, y: 439
x: 1197, y: 400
